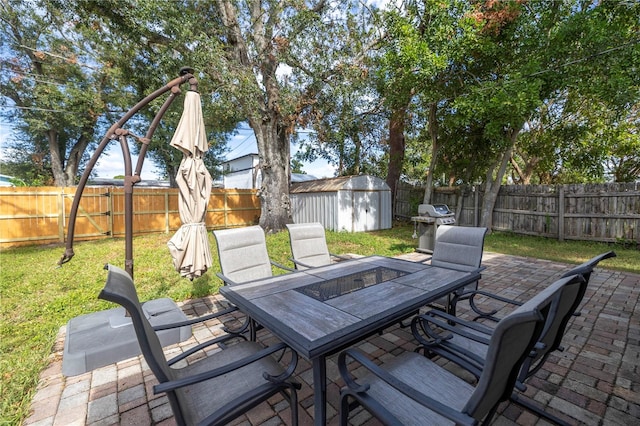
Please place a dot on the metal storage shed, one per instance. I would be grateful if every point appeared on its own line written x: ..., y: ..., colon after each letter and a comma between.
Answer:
x: 346, y: 203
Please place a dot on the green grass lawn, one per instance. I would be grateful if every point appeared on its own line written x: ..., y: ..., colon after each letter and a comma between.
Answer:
x: 37, y: 297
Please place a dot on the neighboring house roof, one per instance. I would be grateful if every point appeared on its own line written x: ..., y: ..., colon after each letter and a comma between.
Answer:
x: 6, y: 180
x: 149, y: 183
x: 240, y: 158
x: 295, y: 177
x: 301, y: 177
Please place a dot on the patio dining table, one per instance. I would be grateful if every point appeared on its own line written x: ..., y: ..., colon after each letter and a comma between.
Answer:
x: 323, y: 310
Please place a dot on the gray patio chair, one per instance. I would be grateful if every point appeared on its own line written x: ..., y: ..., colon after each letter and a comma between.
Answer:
x: 585, y: 269
x: 460, y: 248
x: 466, y: 342
x: 413, y: 390
x: 309, y: 246
x: 243, y: 257
x: 213, y: 389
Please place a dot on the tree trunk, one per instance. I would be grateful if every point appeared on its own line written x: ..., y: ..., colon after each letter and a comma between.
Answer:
x: 57, y: 162
x: 274, y: 152
x: 271, y: 128
x: 65, y: 172
x: 358, y: 155
x: 524, y: 175
x: 396, y: 149
x: 492, y: 185
x: 433, y: 132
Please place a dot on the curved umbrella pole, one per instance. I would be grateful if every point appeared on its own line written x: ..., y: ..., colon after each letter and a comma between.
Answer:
x: 116, y: 131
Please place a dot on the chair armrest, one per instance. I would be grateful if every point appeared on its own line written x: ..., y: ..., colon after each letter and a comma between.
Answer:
x: 217, y: 341
x: 337, y: 256
x: 441, y: 344
x: 496, y: 297
x: 408, y: 391
x: 279, y: 265
x: 297, y: 262
x: 195, y: 320
x: 449, y: 323
x: 206, y: 375
x: 488, y: 314
x: 225, y: 279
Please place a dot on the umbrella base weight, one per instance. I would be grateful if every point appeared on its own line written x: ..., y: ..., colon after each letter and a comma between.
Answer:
x: 102, y: 338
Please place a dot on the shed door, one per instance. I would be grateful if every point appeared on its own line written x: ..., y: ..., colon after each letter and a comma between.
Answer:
x: 366, y: 211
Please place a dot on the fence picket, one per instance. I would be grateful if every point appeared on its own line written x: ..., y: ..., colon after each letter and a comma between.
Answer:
x: 597, y: 212
x: 39, y: 215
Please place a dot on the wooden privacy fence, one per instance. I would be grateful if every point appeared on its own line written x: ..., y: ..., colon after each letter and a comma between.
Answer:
x: 39, y: 215
x: 595, y: 212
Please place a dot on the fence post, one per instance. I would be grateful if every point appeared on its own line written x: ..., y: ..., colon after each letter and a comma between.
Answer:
x: 61, y: 216
x: 112, y: 213
x: 476, y: 201
x: 225, y: 210
x: 561, y: 213
x: 166, y: 211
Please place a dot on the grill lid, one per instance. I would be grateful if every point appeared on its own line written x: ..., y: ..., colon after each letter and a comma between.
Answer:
x: 434, y: 210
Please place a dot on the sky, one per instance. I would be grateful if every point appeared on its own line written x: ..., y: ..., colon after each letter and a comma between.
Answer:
x: 111, y: 164
x: 242, y: 143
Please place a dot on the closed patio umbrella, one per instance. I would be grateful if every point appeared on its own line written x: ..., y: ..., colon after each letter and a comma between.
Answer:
x: 189, y: 246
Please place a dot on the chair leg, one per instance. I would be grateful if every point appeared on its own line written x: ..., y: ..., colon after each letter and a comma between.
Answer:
x: 517, y: 399
x: 451, y: 307
x: 252, y: 330
x: 293, y: 402
x: 489, y: 416
x: 453, y: 301
x: 344, y: 410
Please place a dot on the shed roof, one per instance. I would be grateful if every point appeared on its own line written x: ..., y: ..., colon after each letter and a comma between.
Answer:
x: 361, y: 182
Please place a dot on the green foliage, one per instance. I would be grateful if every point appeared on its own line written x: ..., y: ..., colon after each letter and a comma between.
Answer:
x: 555, y: 74
x: 592, y: 64
x: 132, y: 37
x: 562, y: 76
x: 77, y: 67
x: 624, y: 160
x: 54, y: 86
x: 344, y: 113
x: 296, y: 166
x: 19, y: 164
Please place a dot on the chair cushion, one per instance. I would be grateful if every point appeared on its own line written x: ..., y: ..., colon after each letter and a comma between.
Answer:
x: 243, y: 253
x: 308, y: 244
x: 425, y: 376
x: 458, y: 247
x: 201, y: 399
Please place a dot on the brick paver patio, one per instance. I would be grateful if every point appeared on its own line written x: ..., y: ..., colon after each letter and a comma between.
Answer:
x: 595, y: 381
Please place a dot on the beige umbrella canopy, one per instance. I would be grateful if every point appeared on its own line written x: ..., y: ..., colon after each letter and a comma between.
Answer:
x: 189, y: 246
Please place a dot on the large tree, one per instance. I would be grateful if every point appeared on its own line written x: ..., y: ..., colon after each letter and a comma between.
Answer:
x: 530, y: 56
x: 345, y: 115
x: 55, y: 90
x: 148, y: 43
x: 592, y: 118
x: 74, y: 68
x: 260, y: 38
x: 419, y: 73
x: 244, y: 50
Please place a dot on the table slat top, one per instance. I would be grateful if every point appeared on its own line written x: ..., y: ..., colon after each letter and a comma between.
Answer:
x: 316, y: 327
